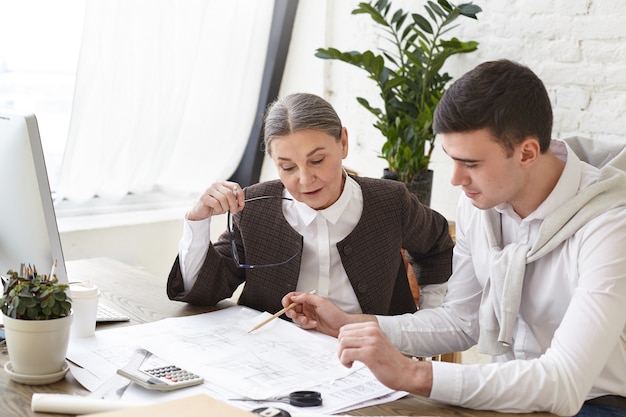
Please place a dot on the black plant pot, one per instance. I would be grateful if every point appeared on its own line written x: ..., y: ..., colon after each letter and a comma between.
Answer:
x: 422, y: 185
x: 389, y: 175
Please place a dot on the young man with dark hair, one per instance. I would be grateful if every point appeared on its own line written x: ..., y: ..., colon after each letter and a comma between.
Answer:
x: 539, y: 272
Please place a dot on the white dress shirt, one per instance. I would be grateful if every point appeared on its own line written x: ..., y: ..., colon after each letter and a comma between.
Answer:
x: 321, y: 268
x: 572, y: 315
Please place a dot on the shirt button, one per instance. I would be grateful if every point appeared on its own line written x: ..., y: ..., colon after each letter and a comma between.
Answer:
x: 362, y: 287
x: 347, y: 250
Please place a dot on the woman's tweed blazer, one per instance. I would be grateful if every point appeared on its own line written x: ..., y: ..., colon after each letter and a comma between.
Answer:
x: 392, y: 219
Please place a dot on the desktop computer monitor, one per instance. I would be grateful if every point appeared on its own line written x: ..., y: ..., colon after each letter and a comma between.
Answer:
x: 28, y: 227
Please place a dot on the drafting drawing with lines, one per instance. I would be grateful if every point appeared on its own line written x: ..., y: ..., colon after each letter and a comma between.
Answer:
x: 272, y: 361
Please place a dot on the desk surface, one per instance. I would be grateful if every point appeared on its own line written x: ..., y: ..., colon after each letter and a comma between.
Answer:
x: 142, y: 297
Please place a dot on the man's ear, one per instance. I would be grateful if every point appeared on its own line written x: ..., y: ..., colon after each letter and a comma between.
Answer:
x: 529, y: 150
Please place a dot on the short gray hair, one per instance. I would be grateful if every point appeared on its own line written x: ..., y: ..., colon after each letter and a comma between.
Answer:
x: 300, y: 111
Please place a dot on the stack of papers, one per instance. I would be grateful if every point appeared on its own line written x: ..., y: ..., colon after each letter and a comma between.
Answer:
x: 271, y: 362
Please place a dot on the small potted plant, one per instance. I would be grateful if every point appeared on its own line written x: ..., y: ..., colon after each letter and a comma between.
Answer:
x: 408, y: 70
x: 37, y: 316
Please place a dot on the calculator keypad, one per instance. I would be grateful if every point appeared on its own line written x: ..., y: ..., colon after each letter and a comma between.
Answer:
x: 171, y: 374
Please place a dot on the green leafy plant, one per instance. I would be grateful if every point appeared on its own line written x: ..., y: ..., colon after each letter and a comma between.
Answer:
x: 409, y: 76
x: 34, y: 297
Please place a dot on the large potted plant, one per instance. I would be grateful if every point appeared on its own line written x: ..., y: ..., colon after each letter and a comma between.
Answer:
x: 37, y: 316
x: 411, y: 81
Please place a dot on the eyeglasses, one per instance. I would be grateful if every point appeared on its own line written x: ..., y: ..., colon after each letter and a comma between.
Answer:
x: 233, y: 247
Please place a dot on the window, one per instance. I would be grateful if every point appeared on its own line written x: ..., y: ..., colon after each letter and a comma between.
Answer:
x: 166, y: 94
x: 160, y: 98
x: 39, y: 44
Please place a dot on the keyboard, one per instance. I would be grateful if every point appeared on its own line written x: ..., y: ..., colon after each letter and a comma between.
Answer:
x: 108, y: 314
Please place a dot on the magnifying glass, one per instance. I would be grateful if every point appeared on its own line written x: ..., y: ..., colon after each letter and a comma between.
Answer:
x: 296, y: 398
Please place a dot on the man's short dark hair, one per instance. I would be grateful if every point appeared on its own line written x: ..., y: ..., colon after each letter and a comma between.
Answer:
x: 503, y: 96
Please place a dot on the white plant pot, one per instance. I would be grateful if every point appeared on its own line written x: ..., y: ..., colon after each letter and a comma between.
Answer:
x: 37, y: 347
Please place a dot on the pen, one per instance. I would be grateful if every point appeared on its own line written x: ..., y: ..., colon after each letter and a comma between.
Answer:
x: 276, y: 315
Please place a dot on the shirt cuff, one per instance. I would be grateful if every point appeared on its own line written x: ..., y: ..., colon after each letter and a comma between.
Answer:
x: 196, y: 233
x: 447, y: 382
x: 192, y: 249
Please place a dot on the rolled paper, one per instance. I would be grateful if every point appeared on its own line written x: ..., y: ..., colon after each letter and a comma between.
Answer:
x: 76, y: 404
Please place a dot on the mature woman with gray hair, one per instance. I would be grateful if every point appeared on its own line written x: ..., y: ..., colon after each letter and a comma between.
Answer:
x: 315, y: 228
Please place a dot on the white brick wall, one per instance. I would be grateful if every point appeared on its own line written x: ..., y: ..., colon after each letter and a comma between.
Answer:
x: 577, y: 47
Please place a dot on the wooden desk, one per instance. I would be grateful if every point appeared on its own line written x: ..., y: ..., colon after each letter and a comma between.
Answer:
x: 142, y: 297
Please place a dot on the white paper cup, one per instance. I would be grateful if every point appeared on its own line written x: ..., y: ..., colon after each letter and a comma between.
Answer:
x: 85, y: 306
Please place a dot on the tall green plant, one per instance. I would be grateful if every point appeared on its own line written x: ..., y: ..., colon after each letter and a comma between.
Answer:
x: 409, y: 76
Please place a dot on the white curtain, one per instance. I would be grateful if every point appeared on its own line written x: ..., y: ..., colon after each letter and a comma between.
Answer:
x: 165, y: 97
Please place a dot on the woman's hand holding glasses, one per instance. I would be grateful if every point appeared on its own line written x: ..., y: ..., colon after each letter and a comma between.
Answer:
x: 219, y: 198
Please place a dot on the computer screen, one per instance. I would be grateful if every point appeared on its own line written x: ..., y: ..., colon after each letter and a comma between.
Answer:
x: 28, y: 227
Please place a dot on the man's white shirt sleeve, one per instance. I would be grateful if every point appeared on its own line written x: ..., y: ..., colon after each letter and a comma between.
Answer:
x: 593, y: 296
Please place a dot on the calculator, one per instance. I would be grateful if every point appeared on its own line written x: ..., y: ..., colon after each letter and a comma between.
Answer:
x: 162, y: 378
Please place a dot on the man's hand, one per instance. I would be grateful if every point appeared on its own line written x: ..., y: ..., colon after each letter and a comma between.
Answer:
x: 366, y: 343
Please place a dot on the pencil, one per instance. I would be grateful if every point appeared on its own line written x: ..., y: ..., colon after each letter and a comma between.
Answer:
x: 54, y: 267
x: 276, y: 315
